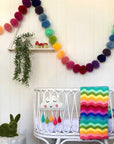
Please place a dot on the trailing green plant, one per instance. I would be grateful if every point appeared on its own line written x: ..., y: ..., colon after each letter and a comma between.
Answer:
x: 22, y: 60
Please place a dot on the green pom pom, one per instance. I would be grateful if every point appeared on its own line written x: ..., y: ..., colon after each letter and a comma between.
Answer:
x: 49, y: 32
x: 52, y: 39
x: 47, y: 120
x: 113, y: 31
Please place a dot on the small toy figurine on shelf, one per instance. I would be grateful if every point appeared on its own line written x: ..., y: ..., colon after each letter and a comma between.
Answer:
x: 45, y: 45
x: 41, y: 45
x: 37, y: 44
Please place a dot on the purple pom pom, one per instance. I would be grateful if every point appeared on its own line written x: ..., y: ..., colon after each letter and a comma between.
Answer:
x: 89, y: 67
x: 95, y: 64
x: 26, y: 3
x: 70, y: 65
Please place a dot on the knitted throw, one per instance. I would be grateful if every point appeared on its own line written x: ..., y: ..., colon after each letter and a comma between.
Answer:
x: 94, y: 113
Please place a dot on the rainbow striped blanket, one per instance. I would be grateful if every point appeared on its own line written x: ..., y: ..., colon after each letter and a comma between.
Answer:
x: 94, y: 113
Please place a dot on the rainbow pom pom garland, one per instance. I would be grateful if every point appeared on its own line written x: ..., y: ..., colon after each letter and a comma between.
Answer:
x: 70, y: 65
x: 65, y: 60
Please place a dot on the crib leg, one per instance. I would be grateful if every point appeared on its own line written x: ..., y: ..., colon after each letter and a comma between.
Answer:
x: 58, y: 141
x: 106, y: 141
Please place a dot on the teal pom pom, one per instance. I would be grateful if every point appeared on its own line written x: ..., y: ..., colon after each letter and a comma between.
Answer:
x: 110, y: 45
x: 49, y: 32
x: 111, y: 38
x: 52, y: 39
x: 42, y: 17
x: 45, y: 24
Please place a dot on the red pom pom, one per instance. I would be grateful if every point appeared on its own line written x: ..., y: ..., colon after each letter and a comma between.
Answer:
x: 18, y: 16
x: 14, y: 22
x: 65, y: 60
x: 76, y: 68
x: 70, y: 65
x: 7, y: 27
x: 22, y: 9
x: 83, y: 69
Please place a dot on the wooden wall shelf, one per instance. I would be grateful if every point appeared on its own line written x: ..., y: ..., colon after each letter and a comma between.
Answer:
x: 35, y: 49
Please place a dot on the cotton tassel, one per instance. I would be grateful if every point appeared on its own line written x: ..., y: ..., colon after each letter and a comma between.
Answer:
x: 43, y: 118
x: 55, y: 120
x: 47, y: 119
x: 59, y: 118
x: 51, y: 117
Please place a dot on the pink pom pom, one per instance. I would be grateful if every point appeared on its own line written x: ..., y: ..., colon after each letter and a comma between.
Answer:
x: 14, y: 22
x: 18, y: 16
x: 7, y: 27
x: 65, y: 60
x: 70, y: 65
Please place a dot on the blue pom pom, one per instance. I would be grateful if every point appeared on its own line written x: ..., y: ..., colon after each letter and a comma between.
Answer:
x: 45, y: 24
x: 42, y: 17
x: 111, y: 38
x: 36, y: 3
x: 110, y: 45
x: 101, y: 58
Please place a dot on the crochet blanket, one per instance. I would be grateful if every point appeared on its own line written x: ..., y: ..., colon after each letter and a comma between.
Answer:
x: 94, y: 113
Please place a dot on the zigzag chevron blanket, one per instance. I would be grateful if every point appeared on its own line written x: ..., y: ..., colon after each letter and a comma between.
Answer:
x: 94, y: 113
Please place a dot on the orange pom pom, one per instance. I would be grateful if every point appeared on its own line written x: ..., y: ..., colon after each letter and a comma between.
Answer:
x: 60, y: 54
x: 1, y: 30
x: 57, y: 46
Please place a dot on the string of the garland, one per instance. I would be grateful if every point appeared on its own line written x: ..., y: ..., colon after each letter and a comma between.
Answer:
x: 70, y: 65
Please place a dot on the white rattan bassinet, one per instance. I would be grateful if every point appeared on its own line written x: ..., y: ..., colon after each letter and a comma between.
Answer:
x: 68, y: 129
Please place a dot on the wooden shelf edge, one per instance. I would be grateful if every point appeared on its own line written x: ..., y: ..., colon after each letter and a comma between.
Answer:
x: 35, y: 49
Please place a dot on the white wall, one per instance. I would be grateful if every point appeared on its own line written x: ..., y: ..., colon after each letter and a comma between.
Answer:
x: 82, y: 27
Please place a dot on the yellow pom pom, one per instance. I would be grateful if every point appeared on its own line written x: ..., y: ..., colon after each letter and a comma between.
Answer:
x: 1, y: 30
x: 60, y: 54
x: 57, y: 46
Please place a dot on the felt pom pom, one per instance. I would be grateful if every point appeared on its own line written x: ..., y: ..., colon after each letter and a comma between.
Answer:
x: 42, y: 17
x: 22, y: 9
x: 60, y: 54
x: 18, y: 16
x: 70, y: 65
x: 111, y: 38
x: 101, y: 58
x: 110, y: 45
x: 45, y: 24
x: 83, y: 69
x: 26, y: 3
x: 36, y: 3
x: 39, y: 10
x: 57, y: 46
x: 95, y: 64
x: 76, y: 68
x: 49, y: 32
x: 65, y: 60
x: 14, y: 22
x: 1, y: 30
x: 113, y: 31
x: 52, y: 39
x: 89, y: 67
x: 7, y: 27
x: 107, y: 52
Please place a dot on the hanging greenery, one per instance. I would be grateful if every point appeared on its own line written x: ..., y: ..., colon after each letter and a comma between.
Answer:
x: 22, y: 58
